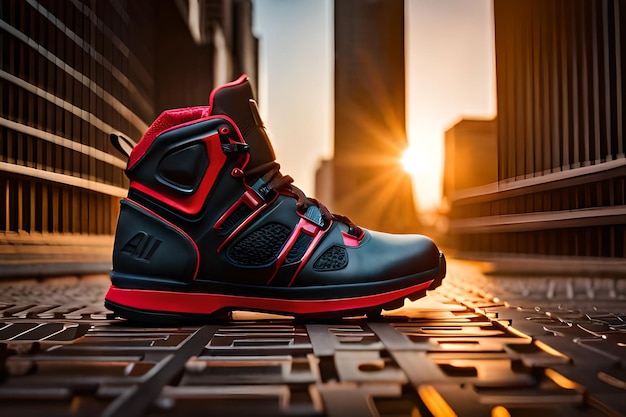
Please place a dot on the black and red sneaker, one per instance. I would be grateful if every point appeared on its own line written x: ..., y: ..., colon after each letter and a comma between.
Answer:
x: 210, y: 225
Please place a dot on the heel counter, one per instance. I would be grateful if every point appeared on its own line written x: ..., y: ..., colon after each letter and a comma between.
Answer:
x: 148, y: 246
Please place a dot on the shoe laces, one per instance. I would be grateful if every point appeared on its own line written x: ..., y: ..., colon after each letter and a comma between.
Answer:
x: 284, y: 184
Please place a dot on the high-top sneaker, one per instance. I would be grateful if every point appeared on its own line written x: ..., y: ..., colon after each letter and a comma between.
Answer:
x: 210, y: 225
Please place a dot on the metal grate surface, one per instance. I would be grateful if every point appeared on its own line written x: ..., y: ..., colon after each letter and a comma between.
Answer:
x: 551, y: 351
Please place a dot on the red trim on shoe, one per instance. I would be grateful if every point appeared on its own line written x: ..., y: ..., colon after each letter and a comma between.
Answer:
x: 175, y: 118
x: 309, y: 252
x: 192, y: 204
x: 173, y: 226
x: 304, y: 226
x: 166, y: 121
x: 201, y: 303
x: 350, y: 240
x: 249, y: 194
x: 238, y: 81
x: 249, y: 198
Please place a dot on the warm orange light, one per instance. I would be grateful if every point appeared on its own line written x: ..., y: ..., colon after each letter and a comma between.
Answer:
x: 412, y: 161
x: 422, y: 161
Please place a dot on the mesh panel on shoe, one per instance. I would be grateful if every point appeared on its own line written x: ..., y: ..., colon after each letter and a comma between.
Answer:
x: 261, y: 246
x: 333, y: 259
x: 297, y: 251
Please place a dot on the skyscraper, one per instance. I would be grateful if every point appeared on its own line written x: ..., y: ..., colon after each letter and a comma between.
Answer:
x: 73, y: 73
x: 370, y: 134
x: 561, y: 164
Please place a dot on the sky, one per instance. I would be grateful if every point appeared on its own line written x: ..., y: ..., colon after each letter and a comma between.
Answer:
x: 450, y: 74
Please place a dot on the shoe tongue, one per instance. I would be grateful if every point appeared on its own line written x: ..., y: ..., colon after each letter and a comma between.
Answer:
x: 236, y: 100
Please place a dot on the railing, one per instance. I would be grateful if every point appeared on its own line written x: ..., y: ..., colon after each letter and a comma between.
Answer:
x: 579, y: 212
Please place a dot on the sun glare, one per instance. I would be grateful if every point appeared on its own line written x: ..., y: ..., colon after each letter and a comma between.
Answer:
x: 422, y: 163
x: 412, y: 160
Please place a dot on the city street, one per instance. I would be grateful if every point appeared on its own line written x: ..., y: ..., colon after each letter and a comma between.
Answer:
x: 227, y: 160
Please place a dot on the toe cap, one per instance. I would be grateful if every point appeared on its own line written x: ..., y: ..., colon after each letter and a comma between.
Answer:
x: 400, y: 255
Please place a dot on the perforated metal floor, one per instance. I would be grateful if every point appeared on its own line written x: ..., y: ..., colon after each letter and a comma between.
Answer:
x: 477, y: 346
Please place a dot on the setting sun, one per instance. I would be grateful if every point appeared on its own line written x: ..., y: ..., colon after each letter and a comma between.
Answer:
x: 412, y: 160
x: 422, y: 161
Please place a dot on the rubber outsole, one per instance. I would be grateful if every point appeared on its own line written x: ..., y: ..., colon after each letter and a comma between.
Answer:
x: 181, y: 308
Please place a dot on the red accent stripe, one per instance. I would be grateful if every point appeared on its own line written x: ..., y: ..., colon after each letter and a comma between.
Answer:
x: 246, y: 222
x: 350, y: 240
x: 199, y: 303
x: 173, y: 226
x: 309, y: 252
x: 249, y: 198
x: 166, y: 121
x: 238, y: 81
x: 193, y: 203
x: 304, y: 226
x: 174, y: 119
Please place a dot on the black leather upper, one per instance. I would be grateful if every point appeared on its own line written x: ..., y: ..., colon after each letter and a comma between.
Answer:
x: 190, y: 251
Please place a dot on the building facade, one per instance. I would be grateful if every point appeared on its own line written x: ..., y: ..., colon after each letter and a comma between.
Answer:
x: 560, y: 135
x: 471, y: 156
x: 73, y: 72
